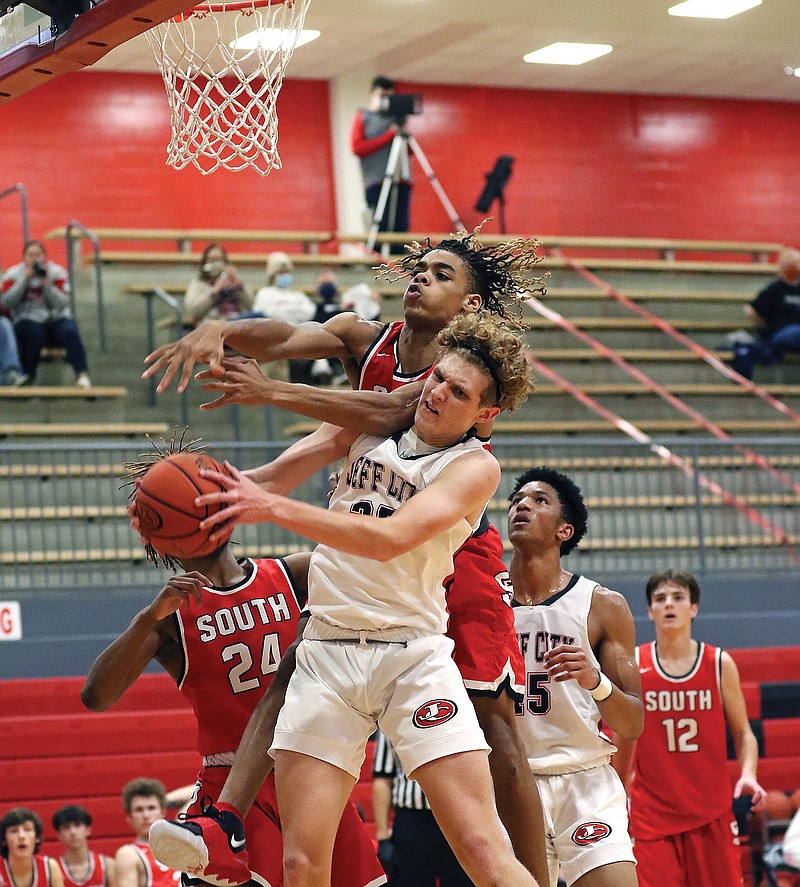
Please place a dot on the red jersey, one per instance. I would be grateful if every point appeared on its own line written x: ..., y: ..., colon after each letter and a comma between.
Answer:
x: 156, y: 875
x: 96, y: 875
x: 41, y: 871
x: 680, y: 776
x: 232, y: 644
x: 380, y: 366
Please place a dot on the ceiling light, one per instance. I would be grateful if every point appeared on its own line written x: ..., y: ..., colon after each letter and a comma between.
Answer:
x: 797, y: 72
x: 567, y: 53
x: 712, y: 8
x: 273, y: 39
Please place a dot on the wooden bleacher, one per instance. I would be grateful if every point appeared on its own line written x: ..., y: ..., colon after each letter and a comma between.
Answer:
x: 322, y: 260
x: 83, y: 429
x: 666, y: 250
x: 185, y: 237
x: 571, y: 427
x: 64, y: 392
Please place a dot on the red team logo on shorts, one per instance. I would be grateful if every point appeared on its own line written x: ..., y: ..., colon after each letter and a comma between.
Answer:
x: 435, y: 712
x: 590, y: 833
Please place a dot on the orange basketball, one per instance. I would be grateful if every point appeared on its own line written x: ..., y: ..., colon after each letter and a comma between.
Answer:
x: 796, y: 800
x: 166, y: 510
x: 779, y: 805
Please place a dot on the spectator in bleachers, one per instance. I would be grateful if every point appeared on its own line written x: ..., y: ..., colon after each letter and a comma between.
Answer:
x: 36, y: 295
x: 10, y: 366
x: 144, y: 801
x: 327, y: 297
x: 775, y: 313
x: 217, y: 292
x: 680, y: 796
x: 278, y: 301
x: 323, y: 371
x: 80, y: 865
x: 21, y: 865
x: 364, y: 300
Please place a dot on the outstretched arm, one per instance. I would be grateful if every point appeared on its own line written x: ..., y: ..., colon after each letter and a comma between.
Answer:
x: 345, y: 336
x: 303, y: 459
x: 147, y: 637
x: 460, y: 492
x: 744, y: 741
x: 367, y: 412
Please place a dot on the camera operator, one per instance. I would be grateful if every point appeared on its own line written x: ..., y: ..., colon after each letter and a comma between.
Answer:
x: 370, y: 139
x: 36, y: 294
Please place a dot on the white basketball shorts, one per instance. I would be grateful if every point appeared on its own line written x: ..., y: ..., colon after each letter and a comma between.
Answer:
x: 412, y: 690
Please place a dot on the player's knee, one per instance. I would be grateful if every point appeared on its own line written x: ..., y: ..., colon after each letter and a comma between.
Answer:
x: 298, y: 867
x: 478, y: 853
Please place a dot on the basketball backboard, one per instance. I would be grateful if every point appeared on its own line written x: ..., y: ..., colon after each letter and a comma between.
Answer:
x: 30, y: 55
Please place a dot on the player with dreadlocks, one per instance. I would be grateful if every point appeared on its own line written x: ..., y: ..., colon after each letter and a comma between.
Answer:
x: 219, y: 629
x: 389, y: 364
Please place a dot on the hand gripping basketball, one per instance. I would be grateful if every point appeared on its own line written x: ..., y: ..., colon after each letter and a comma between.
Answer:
x: 240, y: 501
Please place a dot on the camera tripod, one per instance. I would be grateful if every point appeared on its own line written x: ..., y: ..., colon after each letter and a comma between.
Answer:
x: 398, y: 159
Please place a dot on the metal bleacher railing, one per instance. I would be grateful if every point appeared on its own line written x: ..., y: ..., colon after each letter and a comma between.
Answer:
x: 63, y: 519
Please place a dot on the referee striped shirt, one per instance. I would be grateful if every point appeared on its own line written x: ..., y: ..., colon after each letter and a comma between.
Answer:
x: 406, y: 793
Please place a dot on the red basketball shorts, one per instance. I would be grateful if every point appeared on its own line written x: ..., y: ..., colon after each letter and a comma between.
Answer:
x: 481, y: 619
x: 355, y: 863
x: 702, y: 856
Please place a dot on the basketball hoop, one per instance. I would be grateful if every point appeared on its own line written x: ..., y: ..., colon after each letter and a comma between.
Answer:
x: 222, y: 95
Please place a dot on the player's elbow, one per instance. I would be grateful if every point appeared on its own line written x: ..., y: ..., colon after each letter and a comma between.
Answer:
x: 633, y: 726
x: 391, y: 545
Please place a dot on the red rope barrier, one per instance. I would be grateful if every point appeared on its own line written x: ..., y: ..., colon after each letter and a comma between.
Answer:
x: 751, y: 455
x: 668, y: 456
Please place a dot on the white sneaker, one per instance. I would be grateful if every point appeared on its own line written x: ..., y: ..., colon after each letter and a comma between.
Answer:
x: 83, y: 380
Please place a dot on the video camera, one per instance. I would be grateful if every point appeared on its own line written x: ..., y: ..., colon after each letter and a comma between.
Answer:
x: 400, y: 105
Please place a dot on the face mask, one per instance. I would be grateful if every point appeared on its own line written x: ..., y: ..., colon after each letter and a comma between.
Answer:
x: 214, y: 269
x: 284, y: 281
x: 328, y: 292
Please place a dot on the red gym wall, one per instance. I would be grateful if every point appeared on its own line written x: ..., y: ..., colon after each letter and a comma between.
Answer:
x: 90, y: 146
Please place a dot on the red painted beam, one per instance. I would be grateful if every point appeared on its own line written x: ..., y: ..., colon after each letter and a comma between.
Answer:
x: 93, y: 34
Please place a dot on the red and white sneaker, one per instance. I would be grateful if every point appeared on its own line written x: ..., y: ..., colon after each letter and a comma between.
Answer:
x: 210, y: 846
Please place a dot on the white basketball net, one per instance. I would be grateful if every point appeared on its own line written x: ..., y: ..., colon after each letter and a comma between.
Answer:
x: 223, y: 100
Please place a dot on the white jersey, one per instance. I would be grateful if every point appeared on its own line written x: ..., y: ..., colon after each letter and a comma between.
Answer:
x: 560, y: 723
x: 407, y: 591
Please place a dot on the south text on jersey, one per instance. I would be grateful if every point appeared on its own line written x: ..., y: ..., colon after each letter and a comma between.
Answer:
x: 243, y: 617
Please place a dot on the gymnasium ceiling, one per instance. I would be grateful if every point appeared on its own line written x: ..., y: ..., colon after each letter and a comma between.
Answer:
x: 483, y: 41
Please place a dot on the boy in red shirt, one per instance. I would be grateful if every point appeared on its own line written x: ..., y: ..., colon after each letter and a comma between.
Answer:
x: 684, y: 831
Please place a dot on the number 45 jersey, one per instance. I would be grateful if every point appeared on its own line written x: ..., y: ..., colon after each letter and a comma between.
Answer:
x: 680, y: 776
x: 232, y: 644
x: 559, y: 721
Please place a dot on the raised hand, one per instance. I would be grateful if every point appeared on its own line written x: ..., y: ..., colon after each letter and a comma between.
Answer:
x: 241, y: 382
x: 567, y: 662
x: 202, y: 345
x: 245, y: 501
x: 178, y: 592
